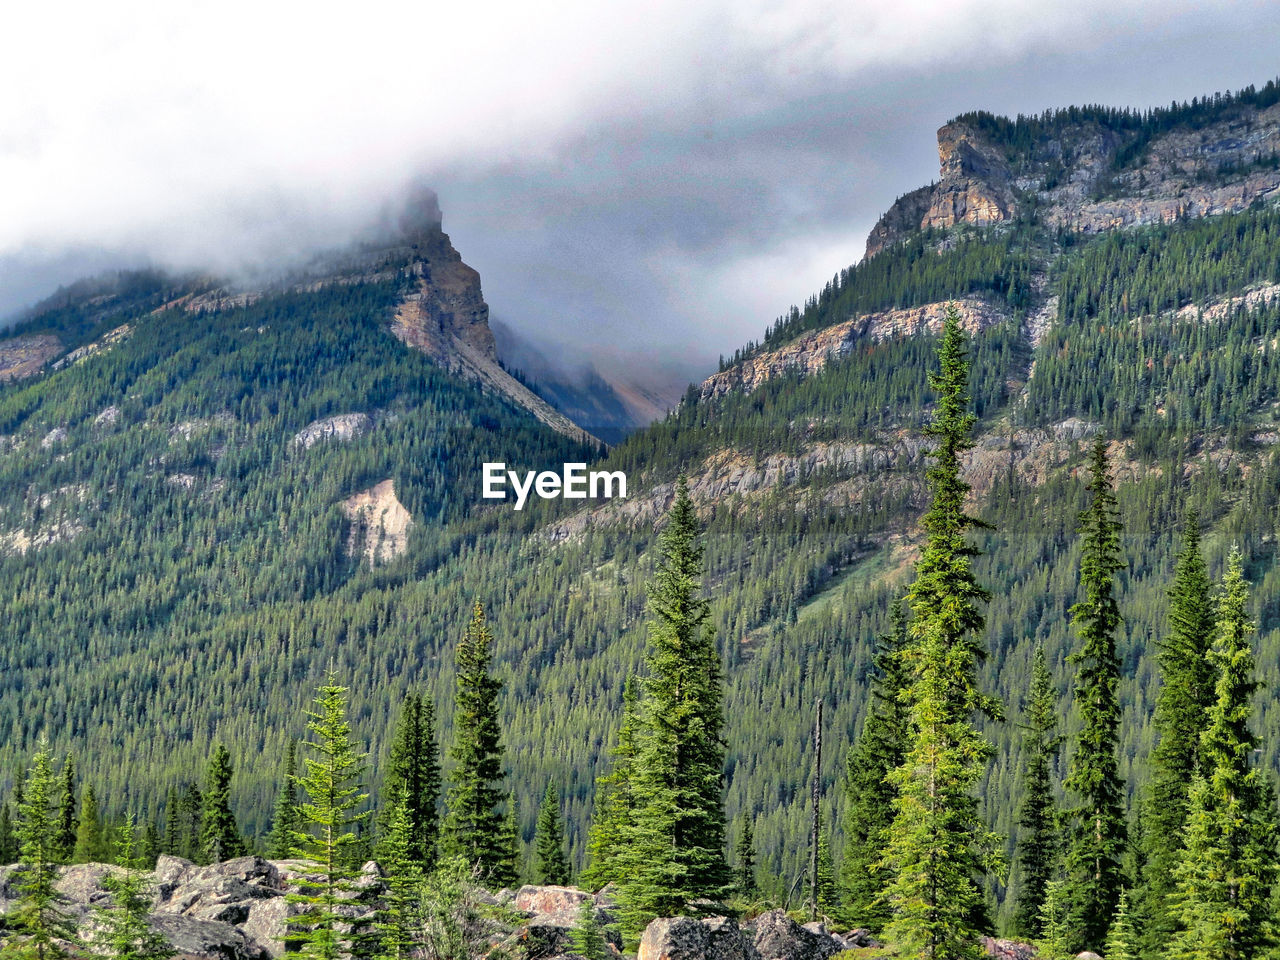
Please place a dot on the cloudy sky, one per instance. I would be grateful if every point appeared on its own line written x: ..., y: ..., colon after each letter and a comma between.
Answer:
x: 626, y: 176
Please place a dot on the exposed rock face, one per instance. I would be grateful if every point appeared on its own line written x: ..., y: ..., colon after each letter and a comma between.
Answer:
x: 1009, y: 949
x: 380, y: 524
x: 811, y: 352
x: 345, y: 426
x: 1219, y: 167
x: 101, y: 345
x: 22, y: 357
x: 550, y: 899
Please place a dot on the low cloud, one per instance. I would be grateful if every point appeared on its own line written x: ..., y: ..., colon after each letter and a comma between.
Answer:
x: 662, y: 176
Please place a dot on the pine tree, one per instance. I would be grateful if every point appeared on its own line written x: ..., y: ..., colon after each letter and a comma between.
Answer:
x: 39, y: 915
x: 1186, y: 693
x: 190, y: 817
x: 1055, y: 927
x: 828, y: 897
x: 124, y: 931
x: 90, y: 845
x: 877, y: 752
x: 474, y: 829
x: 8, y: 837
x: 400, y: 920
x: 552, y: 865
x: 673, y: 850
x: 938, y: 847
x: 219, y: 835
x: 330, y: 783
x: 586, y: 939
x: 287, y: 819
x: 68, y: 823
x: 1096, y: 845
x: 614, y: 802
x: 1226, y: 872
x: 510, y: 868
x: 746, y: 856
x: 415, y: 764
x: 1122, y: 940
x: 172, y: 844
x: 1038, y: 845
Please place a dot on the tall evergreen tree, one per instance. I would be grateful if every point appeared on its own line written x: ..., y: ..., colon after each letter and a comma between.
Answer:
x: 828, y: 892
x: 400, y: 920
x: 414, y: 765
x: 879, y: 751
x: 68, y: 823
x: 552, y: 865
x: 746, y: 857
x: 124, y: 931
x: 172, y: 843
x: 1182, y: 709
x: 219, y: 835
x: 614, y: 804
x: 1038, y: 844
x: 287, y: 819
x: 1055, y: 927
x: 1226, y: 872
x: 40, y: 916
x: 330, y: 783
x: 1096, y: 845
x: 8, y: 837
x: 190, y: 818
x: 473, y: 829
x: 938, y: 847
x: 674, y: 847
x: 90, y: 846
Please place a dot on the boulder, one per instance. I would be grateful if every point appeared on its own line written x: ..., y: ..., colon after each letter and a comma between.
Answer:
x: 688, y: 938
x: 1009, y: 949
x: 860, y: 937
x: 81, y: 886
x: 207, y: 940
x: 549, y: 899
x: 778, y: 937
x: 8, y: 888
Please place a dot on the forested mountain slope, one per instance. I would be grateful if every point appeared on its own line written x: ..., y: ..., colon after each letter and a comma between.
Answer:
x: 184, y: 577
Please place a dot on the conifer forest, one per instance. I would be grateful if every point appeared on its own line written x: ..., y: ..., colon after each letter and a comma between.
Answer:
x: 946, y: 615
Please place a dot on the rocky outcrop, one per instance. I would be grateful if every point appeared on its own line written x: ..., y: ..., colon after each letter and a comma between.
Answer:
x: 809, y: 353
x: 101, y: 345
x: 1009, y: 949
x: 344, y: 426
x: 24, y: 356
x: 379, y: 524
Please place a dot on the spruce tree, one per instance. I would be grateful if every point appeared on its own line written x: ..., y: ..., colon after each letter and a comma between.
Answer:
x: 552, y: 865
x: 123, y: 928
x: 190, y: 818
x: 828, y: 893
x: 510, y: 867
x: 1096, y: 844
x: 746, y: 857
x: 473, y: 828
x: 39, y: 915
x: 1122, y: 939
x: 287, y: 817
x: 1186, y: 692
x: 1226, y: 872
x: 68, y: 823
x: 331, y: 785
x: 1038, y: 844
x: 8, y: 837
x: 399, y: 921
x: 879, y: 751
x: 219, y: 835
x: 938, y: 847
x: 172, y: 843
x: 414, y: 766
x: 673, y: 849
x: 614, y: 804
x: 1055, y: 927
x: 90, y: 845
x: 586, y: 939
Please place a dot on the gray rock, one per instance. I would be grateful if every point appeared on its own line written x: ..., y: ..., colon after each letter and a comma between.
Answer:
x: 688, y: 938
x: 1009, y: 949
x: 549, y: 899
x: 778, y: 937
x: 207, y: 940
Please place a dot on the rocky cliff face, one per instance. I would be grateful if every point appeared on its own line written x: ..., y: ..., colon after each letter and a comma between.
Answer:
x: 1218, y: 167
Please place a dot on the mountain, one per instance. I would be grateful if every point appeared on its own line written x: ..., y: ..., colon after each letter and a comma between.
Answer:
x: 207, y: 503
